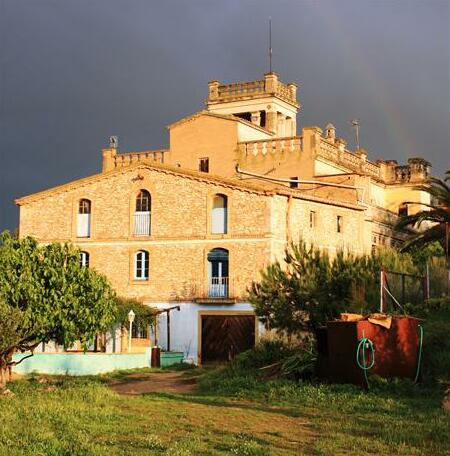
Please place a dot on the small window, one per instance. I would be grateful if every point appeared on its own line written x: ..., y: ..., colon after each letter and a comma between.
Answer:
x: 203, y: 165
x: 293, y: 184
x: 312, y: 219
x: 403, y: 210
x: 141, y: 265
x: 339, y: 222
x: 219, y: 215
x: 84, y: 259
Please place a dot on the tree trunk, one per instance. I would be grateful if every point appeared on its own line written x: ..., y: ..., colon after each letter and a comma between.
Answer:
x: 2, y: 377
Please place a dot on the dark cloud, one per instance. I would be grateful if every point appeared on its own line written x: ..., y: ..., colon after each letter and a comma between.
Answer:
x: 72, y: 72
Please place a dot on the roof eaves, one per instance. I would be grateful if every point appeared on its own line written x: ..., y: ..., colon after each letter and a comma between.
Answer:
x: 144, y: 164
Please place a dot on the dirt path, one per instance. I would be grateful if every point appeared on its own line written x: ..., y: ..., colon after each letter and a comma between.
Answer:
x: 170, y: 382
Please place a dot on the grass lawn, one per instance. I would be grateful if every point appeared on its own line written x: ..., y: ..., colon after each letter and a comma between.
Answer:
x: 238, y: 415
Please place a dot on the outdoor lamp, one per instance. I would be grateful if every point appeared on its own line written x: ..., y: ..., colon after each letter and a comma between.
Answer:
x: 131, y: 316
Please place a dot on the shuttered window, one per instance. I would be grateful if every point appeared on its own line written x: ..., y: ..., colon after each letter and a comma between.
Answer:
x: 84, y: 218
x: 219, y: 215
x: 142, y: 214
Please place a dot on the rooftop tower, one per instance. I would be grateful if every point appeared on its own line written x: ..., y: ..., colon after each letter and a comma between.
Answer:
x: 268, y: 103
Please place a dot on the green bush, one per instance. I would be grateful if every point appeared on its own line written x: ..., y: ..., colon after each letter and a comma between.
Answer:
x: 265, y: 353
x: 311, y: 288
x: 436, y: 344
x: 144, y: 315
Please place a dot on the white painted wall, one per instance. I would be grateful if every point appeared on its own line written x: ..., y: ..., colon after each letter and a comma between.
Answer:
x: 322, y: 168
x: 184, y: 325
x: 248, y: 133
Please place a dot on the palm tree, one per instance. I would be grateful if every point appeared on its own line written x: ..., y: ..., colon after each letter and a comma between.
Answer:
x: 437, y: 213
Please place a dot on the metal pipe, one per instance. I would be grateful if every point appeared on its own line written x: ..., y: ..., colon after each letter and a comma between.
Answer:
x: 168, y: 331
x: 129, y: 336
x: 301, y: 181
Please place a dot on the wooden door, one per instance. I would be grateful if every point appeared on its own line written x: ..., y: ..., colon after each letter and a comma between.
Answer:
x: 224, y: 336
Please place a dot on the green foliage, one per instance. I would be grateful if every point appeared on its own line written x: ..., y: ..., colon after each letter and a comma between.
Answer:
x: 301, y: 364
x: 311, y: 288
x: 46, y: 295
x: 144, y: 315
x: 437, y: 214
x: 270, y: 359
x: 423, y: 254
x: 436, y: 341
x: 263, y: 354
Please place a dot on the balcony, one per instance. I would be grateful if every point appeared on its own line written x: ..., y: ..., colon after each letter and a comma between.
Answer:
x: 142, y: 224
x: 218, y: 287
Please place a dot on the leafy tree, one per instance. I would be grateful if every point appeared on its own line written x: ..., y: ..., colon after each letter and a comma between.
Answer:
x: 144, y: 315
x: 437, y: 213
x: 46, y: 295
x: 310, y: 288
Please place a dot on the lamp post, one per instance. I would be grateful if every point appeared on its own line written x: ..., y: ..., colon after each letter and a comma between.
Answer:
x: 131, y: 316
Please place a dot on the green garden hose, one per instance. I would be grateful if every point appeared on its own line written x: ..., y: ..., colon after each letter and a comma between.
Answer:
x: 362, y: 345
x: 365, y: 342
x: 419, y: 356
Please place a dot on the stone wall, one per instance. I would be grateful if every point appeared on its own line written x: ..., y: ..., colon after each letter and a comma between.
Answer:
x: 180, y: 231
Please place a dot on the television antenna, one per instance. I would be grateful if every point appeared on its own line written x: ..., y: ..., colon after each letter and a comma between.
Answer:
x: 270, y: 44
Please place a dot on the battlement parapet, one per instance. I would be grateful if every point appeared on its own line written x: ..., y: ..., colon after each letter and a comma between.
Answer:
x: 386, y: 171
x: 358, y: 162
x: 417, y: 170
x: 122, y: 160
x: 262, y: 148
x: 269, y: 86
x: 113, y: 160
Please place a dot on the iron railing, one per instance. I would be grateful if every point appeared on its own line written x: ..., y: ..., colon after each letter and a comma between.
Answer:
x: 218, y: 287
x: 142, y: 224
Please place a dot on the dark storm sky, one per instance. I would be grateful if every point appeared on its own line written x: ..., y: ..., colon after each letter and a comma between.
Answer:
x: 73, y: 72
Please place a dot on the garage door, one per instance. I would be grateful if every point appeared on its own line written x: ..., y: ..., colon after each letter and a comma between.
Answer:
x: 224, y: 336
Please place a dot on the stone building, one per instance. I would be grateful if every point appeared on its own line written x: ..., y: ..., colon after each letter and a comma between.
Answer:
x: 194, y: 224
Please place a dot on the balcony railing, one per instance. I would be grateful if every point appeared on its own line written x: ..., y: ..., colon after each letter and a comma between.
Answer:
x: 142, y: 224
x: 218, y: 287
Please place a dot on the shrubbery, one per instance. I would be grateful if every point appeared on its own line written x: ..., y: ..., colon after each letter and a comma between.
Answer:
x: 144, y: 315
x: 311, y: 288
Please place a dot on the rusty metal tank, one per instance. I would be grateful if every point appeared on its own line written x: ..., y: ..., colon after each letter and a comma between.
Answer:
x: 396, y: 349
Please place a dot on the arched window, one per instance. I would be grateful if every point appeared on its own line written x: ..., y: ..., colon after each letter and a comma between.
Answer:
x: 219, y: 215
x: 141, y: 265
x: 84, y: 218
x: 218, y: 273
x: 84, y: 259
x: 142, y: 214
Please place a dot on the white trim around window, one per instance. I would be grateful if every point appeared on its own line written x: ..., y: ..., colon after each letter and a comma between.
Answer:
x: 141, y: 265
